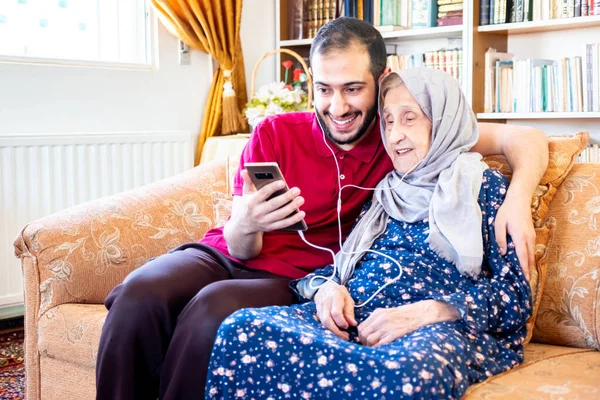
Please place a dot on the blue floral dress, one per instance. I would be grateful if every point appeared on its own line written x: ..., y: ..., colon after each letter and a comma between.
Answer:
x: 285, y: 352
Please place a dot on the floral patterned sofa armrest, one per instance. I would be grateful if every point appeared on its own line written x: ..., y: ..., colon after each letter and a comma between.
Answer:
x: 80, y: 254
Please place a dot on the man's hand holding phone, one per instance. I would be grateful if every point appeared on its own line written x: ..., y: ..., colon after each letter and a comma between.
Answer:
x: 265, y: 212
x: 266, y: 205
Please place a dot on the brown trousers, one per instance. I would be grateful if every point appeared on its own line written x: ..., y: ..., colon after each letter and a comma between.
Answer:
x: 163, y: 320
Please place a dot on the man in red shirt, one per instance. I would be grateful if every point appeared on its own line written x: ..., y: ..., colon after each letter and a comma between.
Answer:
x: 163, y: 319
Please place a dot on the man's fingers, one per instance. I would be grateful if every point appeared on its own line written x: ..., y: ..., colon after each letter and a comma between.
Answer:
x: 500, y: 228
x: 283, y: 212
x: 264, y: 193
x: 283, y: 199
x: 284, y: 223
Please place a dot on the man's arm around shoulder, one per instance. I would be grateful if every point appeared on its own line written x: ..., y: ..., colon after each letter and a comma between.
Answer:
x: 526, y: 150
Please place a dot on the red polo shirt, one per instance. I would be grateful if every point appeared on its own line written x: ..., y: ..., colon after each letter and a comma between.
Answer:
x: 295, y: 142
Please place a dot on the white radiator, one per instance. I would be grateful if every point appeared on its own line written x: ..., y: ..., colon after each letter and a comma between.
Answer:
x: 42, y: 174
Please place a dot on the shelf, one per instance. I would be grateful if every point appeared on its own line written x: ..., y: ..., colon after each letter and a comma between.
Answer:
x: 454, y: 31
x: 516, y: 28
x: 297, y: 42
x: 540, y: 115
x: 422, y: 33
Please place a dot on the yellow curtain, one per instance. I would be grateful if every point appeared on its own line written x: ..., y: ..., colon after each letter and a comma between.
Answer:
x: 213, y: 27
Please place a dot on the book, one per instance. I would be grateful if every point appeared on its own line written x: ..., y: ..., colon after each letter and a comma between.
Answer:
x: 578, y: 83
x: 518, y: 10
x: 450, y: 21
x: 389, y: 28
x: 484, y: 13
x: 596, y: 77
x: 450, y: 7
x: 491, y: 56
x: 534, y: 96
x: 502, y: 89
x: 587, y: 78
x: 423, y: 13
x: 297, y: 17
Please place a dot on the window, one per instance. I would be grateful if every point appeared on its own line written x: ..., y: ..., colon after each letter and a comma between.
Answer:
x: 104, y: 31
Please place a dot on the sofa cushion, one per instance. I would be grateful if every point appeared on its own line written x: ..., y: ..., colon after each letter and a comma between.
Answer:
x: 71, y: 332
x: 544, y: 236
x: 223, y: 202
x: 569, y: 314
x: 563, y: 151
x: 548, y: 372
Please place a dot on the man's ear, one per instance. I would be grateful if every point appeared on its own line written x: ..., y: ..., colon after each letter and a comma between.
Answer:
x: 386, y: 71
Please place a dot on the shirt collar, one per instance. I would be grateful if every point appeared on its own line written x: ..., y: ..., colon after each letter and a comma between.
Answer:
x: 364, y: 152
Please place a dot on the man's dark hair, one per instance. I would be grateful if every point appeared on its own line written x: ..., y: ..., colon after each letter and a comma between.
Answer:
x: 344, y: 32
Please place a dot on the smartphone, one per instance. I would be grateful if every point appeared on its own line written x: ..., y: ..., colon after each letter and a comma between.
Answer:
x: 263, y: 173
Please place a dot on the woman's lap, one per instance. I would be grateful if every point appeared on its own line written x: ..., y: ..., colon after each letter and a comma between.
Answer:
x: 275, y: 349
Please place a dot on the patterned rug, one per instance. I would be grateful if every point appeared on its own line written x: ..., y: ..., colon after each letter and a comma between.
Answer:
x: 12, y: 366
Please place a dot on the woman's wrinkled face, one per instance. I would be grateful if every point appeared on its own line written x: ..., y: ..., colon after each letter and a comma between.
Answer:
x: 407, y: 128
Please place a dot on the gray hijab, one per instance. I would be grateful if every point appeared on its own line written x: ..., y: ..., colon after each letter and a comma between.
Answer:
x: 444, y: 187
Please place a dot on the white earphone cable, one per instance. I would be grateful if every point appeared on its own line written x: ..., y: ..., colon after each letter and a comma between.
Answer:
x: 339, y: 210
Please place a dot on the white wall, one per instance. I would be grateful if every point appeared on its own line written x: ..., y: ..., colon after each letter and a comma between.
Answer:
x: 556, y: 45
x: 258, y: 37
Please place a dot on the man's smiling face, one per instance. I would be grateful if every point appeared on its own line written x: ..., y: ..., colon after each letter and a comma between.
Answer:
x: 345, y: 94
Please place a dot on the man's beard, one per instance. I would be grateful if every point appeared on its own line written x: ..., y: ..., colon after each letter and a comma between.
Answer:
x: 371, y: 114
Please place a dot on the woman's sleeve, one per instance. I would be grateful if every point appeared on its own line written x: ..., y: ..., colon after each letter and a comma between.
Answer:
x: 306, y: 288
x: 499, y: 300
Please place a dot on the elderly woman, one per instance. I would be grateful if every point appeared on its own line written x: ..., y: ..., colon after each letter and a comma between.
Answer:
x: 434, y: 309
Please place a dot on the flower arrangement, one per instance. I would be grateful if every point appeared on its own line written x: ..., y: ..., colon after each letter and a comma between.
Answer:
x: 278, y: 97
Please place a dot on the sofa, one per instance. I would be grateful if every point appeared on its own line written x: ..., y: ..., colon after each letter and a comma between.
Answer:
x: 72, y: 259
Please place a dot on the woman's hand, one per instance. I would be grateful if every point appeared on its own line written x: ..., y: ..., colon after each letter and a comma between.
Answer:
x: 385, y: 325
x: 335, y: 308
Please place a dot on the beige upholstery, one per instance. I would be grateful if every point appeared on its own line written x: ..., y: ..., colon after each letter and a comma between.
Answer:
x: 71, y: 260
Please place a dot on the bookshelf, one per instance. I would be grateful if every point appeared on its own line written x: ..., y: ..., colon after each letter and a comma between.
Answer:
x: 539, y: 115
x: 453, y: 32
x: 294, y: 43
x: 543, y: 26
x: 550, y: 39
x: 406, y: 41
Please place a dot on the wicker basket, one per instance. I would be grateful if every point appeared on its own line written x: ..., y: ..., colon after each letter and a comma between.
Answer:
x: 297, y: 57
